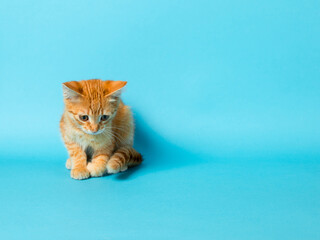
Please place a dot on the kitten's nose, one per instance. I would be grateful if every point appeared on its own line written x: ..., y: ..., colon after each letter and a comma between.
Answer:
x: 94, y: 129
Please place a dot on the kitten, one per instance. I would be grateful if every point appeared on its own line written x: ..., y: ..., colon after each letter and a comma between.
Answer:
x: 97, y: 129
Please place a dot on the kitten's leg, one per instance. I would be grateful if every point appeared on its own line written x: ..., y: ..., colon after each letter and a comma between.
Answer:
x: 68, y: 164
x: 97, y: 166
x: 79, y: 161
x: 123, y: 158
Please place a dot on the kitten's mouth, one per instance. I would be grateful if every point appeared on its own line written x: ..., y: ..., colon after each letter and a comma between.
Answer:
x: 94, y: 133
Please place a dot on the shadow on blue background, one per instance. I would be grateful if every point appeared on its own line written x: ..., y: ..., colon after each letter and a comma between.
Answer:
x: 159, y: 153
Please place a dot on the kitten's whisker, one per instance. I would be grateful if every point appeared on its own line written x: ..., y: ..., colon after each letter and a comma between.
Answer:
x: 122, y: 129
x: 117, y: 137
x: 113, y: 134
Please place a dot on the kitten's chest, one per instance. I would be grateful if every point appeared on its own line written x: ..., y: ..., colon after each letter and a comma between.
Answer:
x: 94, y: 143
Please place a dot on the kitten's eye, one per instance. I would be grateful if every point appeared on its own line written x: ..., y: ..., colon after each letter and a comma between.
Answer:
x: 104, y: 117
x: 84, y: 117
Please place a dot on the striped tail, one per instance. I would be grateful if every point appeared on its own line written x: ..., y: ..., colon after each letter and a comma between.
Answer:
x: 123, y: 158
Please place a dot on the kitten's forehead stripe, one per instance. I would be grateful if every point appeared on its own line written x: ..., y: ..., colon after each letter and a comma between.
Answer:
x: 94, y: 93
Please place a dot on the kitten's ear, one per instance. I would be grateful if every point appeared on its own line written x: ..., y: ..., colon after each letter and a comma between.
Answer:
x: 113, y: 87
x: 72, y: 90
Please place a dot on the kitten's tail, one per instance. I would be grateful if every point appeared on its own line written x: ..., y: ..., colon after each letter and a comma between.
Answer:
x: 123, y: 158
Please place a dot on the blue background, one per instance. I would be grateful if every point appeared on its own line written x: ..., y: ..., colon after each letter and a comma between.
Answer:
x: 226, y: 99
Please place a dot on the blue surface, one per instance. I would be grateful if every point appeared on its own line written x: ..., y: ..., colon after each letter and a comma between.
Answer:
x: 226, y: 99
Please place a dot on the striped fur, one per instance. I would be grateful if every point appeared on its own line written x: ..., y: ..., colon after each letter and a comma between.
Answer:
x: 123, y: 158
x: 96, y: 147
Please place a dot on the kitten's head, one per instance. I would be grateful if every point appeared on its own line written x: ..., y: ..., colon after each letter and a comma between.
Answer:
x: 92, y: 104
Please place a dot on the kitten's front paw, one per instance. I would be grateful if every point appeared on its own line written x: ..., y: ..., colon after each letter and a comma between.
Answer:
x: 68, y: 164
x: 114, y: 166
x: 80, y: 173
x: 96, y: 170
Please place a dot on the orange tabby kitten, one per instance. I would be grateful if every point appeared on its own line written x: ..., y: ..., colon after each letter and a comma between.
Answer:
x: 97, y: 129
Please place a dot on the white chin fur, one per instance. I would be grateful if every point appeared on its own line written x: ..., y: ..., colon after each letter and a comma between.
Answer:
x: 93, y: 133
